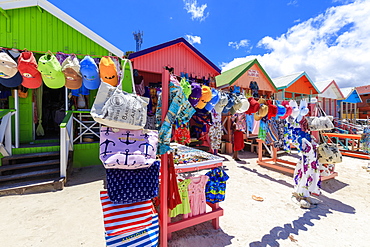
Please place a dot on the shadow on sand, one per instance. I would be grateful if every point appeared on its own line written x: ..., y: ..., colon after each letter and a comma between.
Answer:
x: 323, y: 209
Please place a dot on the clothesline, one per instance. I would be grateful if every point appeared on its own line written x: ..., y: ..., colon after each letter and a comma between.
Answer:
x: 44, y: 52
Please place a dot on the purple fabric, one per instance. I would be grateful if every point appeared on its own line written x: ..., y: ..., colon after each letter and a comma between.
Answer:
x: 196, y: 92
x: 61, y: 57
x: 127, y: 149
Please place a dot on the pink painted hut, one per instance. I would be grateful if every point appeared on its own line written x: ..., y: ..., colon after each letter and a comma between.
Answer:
x: 330, y: 94
x: 178, y: 54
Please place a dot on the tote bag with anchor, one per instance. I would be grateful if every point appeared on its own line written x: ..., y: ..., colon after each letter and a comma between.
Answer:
x: 127, y: 149
x: 116, y: 108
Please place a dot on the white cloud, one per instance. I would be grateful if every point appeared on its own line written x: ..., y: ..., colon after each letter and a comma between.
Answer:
x: 242, y: 43
x: 293, y: 2
x: 193, y: 39
x: 197, y: 12
x: 331, y: 46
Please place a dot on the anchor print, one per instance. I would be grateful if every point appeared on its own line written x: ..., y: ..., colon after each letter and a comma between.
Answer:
x: 146, y: 136
x: 127, y: 142
x: 107, y: 131
x: 147, y: 145
x: 106, y: 142
x: 127, y: 154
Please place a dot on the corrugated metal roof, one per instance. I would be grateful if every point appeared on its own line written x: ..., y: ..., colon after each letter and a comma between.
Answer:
x: 347, y: 91
x: 230, y: 76
x: 363, y: 90
x: 16, y: 4
x: 170, y: 43
x: 324, y: 85
x: 285, y: 81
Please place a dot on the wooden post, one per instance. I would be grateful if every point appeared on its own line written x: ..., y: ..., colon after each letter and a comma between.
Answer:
x: 163, y: 215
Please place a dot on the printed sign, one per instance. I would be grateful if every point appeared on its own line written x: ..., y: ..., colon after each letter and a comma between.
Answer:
x: 253, y: 73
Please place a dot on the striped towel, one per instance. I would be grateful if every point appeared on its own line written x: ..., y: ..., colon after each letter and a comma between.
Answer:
x: 123, y: 218
x: 147, y: 237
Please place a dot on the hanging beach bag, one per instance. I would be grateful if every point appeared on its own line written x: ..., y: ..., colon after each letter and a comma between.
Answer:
x: 130, y: 186
x: 147, y: 237
x: 119, y: 219
x: 127, y: 149
x: 321, y: 121
x: 329, y: 154
x: 116, y: 108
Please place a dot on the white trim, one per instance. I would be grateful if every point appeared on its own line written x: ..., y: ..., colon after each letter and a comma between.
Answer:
x: 15, y: 4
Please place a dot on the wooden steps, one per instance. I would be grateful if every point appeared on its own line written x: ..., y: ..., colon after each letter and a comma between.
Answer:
x: 21, y: 171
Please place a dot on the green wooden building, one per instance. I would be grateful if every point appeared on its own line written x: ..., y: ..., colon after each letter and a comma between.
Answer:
x: 39, y: 26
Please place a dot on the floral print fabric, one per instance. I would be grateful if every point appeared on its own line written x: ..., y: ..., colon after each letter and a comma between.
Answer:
x: 215, y: 131
x: 307, y: 173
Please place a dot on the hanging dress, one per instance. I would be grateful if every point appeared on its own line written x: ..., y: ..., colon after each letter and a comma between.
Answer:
x: 184, y: 207
x: 216, y: 185
x: 307, y: 173
x: 197, y: 196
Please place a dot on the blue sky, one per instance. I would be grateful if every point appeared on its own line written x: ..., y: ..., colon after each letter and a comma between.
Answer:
x: 329, y: 39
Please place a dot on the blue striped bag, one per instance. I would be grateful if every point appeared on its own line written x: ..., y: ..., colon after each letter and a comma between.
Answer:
x: 147, y: 237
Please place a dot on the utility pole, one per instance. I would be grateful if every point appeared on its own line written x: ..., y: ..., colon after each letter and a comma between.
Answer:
x: 138, y: 37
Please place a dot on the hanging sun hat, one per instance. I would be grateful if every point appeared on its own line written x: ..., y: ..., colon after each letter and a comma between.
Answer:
x: 262, y: 112
x: 214, y: 100
x: 196, y: 92
x: 108, y: 71
x: 245, y: 104
x: 273, y: 109
x: 303, y: 110
x: 281, y: 110
x: 51, y: 71
x: 205, y: 98
x: 295, y: 110
x: 186, y: 87
x: 71, y: 70
x: 229, y: 104
x: 27, y: 67
x: 253, y: 106
x: 237, y: 104
x: 222, y: 102
x: 90, y: 73
x: 288, y: 108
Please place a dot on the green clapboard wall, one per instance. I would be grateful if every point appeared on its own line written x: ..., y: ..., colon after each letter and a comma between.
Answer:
x: 35, y: 29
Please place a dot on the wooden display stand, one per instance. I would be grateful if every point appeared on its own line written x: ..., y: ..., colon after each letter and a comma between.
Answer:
x: 355, y: 140
x: 281, y: 165
x: 165, y: 225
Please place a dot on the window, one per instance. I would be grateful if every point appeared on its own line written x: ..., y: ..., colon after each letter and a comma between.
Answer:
x: 368, y: 101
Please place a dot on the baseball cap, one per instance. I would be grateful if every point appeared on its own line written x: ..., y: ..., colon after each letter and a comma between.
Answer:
x: 90, y: 73
x: 51, y: 71
x: 214, y: 100
x: 196, y: 92
x: 8, y: 67
x: 221, y: 103
x: 262, y: 112
x: 71, y: 70
x: 108, y: 71
x: 27, y: 67
x: 205, y: 98
x: 253, y: 106
x: 186, y: 87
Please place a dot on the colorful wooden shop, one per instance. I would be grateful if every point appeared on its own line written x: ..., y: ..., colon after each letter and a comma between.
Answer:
x: 348, y: 104
x: 330, y: 94
x: 242, y: 76
x: 30, y: 24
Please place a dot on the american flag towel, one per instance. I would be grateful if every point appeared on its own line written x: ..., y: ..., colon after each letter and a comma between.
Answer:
x: 147, y: 237
x: 123, y: 218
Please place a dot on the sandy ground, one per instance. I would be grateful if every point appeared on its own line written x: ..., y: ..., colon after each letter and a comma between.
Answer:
x: 73, y: 217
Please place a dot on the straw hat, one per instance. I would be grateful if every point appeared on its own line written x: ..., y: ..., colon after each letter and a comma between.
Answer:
x: 262, y: 112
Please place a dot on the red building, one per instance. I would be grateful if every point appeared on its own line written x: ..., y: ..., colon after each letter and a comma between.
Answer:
x: 364, y: 107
